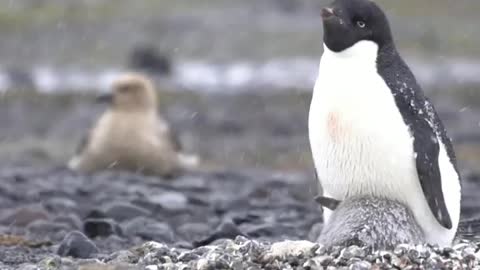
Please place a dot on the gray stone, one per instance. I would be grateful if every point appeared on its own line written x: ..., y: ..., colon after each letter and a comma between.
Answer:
x: 24, y: 215
x: 61, y: 205
x: 149, y: 229
x: 121, y: 211
x: 77, y: 245
x: 47, y: 229
x: 173, y: 201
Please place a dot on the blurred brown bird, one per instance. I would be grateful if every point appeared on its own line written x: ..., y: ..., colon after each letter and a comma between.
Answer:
x: 131, y: 135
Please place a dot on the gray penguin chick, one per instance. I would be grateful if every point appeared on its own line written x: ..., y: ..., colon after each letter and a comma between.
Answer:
x: 370, y: 222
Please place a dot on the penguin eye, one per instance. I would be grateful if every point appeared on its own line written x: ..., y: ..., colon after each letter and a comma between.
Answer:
x: 361, y: 24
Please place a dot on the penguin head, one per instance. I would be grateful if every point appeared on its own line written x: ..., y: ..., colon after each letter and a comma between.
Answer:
x: 347, y: 22
x: 134, y: 92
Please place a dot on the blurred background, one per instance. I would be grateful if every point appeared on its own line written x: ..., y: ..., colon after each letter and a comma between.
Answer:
x: 234, y: 77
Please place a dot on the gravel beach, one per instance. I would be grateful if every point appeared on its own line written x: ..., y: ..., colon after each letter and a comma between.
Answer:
x: 57, y: 219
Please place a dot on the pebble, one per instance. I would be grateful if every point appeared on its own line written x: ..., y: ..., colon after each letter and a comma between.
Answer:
x: 193, y: 231
x: 293, y: 248
x: 173, y: 201
x: 63, y: 205
x: 71, y: 220
x: 77, y: 245
x: 149, y: 229
x: 24, y: 215
x: 352, y: 252
x: 362, y: 265
x: 46, y: 229
x: 226, y: 230
x: 100, y: 227
x: 121, y: 211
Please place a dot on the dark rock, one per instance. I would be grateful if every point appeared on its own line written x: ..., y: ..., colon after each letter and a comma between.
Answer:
x: 96, y: 214
x: 77, y: 245
x: 149, y: 59
x: 24, y: 215
x: 95, y: 227
x: 125, y: 211
x: 149, y: 229
x: 226, y: 230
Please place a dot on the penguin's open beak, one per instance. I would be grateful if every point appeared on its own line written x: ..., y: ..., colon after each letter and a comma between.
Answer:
x: 104, y: 98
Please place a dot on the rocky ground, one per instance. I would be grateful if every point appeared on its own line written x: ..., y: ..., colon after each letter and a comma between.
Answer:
x: 56, y: 219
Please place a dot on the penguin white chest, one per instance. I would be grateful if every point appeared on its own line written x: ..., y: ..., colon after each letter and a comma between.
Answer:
x: 358, y: 138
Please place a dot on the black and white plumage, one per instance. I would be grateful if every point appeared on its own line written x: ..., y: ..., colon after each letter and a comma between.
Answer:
x: 371, y: 129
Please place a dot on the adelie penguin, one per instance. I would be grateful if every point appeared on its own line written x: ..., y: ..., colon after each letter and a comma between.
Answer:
x: 372, y: 131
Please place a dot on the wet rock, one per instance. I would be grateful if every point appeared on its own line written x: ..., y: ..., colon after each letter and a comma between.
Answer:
x: 77, y: 245
x: 24, y: 215
x: 95, y: 227
x: 121, y: 211
x: 174, y: 201
x: 149, y: 229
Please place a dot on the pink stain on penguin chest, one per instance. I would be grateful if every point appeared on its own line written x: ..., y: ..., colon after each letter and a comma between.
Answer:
x: 335, y: 128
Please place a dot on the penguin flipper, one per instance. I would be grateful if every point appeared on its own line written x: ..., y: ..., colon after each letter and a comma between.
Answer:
x: 327, y: 202
x: 427, y: 149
